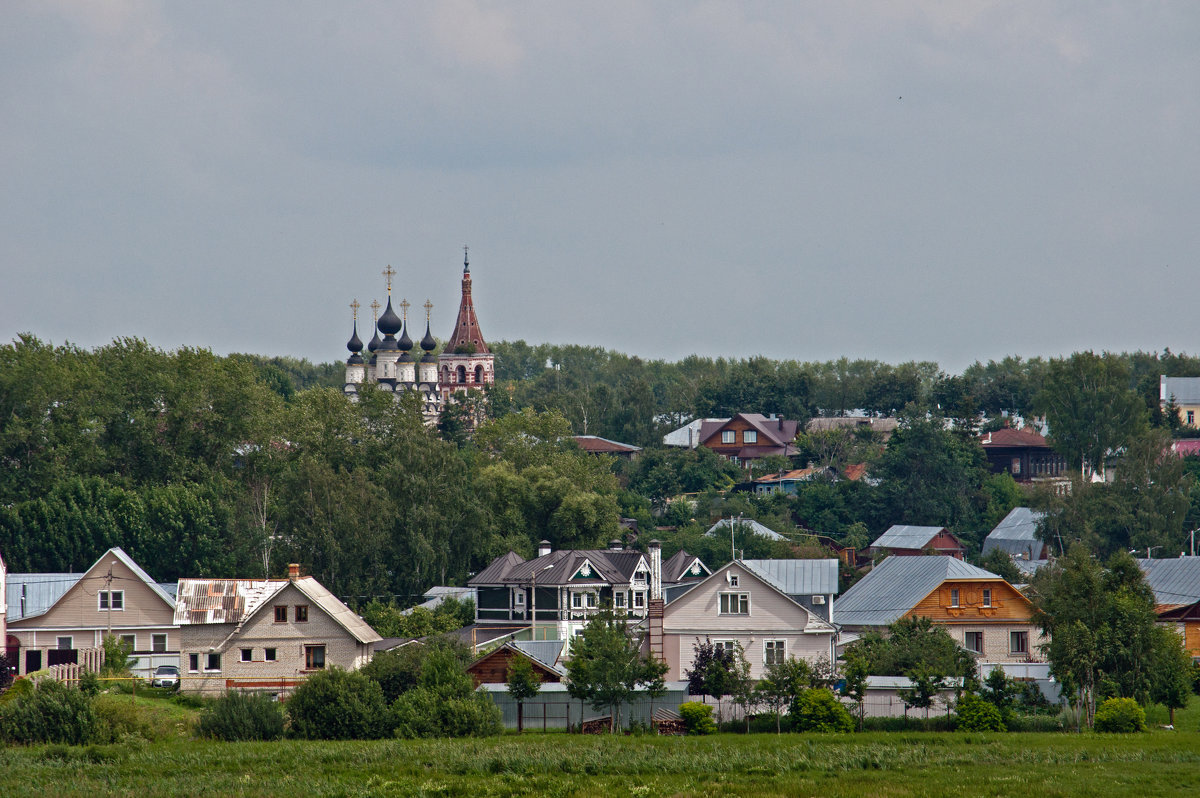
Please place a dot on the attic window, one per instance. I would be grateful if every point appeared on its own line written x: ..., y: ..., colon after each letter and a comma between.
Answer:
x: 728, y: 436
x: 750, y: 436
x: 953, y: 597
x: 301, y: 613
x: 280, y: 613
x: 987, y: 597
x: 111, y: 600
x: 734, y: 603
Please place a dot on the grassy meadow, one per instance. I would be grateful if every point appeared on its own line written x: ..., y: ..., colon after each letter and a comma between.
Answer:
x: 1159, y: 762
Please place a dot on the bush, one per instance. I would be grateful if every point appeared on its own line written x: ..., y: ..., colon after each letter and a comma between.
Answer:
x: 934, y: 723
x: 422, y: 712
x: 697, y: 717
x: 1120, y: 715
x: 50, y: 713
x: 89, y: 684
x: 818, y: 710
x: 1036, y: 723
x: 338, y: 705
x: 235, y: 717
x: 975, y: 714
x: 119, y: 720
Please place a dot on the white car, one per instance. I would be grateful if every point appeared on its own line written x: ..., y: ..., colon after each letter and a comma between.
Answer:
x: 165, y: 676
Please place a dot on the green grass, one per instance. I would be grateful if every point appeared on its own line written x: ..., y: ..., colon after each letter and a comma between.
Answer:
x: 875, y: 763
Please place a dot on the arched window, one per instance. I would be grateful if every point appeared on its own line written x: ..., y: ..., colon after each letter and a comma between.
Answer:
x: 460, y: 375
x: 479, y: 375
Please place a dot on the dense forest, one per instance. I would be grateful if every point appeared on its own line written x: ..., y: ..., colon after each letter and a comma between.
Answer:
x: 200, y: 465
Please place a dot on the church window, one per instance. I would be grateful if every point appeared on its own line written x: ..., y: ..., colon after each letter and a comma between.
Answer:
x: 479, y: 374
x: 460, y: 375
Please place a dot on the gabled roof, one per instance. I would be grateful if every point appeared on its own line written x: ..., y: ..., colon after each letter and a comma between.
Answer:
x: 1016, y: 534
x: 689, y: 434
x: 795, y: 475
x: 435, y: 595
x: 798, y: 577
x: 604, y: 566
x: 43, y: 591
x: 743, y: 525
x: 597, y: 445
x: 680, y: 565
x: 815, y: 622
x: 1175, y: 581
x: 901, y: 536
x: 203, y: 601
x: 778, y: 431
x: 546, y: 652
x: 898, y: 584
x: 1009, y: 438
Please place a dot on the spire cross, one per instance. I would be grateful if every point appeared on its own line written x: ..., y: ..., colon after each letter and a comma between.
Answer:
x: 428, y: 307
x: 404, y: 306
x: 389, y: 273
x: 466, y: 262
x: 354, y: 306
x: 375, y: 309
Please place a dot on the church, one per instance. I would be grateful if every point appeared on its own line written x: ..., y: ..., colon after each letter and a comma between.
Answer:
x: 395, y: 365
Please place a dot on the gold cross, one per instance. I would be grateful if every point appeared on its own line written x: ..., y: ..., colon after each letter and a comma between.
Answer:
x: 404, y: 306
x: 354, y: 306
x: 375, y: 308
x: 428, y: 307
x: 389, y: 273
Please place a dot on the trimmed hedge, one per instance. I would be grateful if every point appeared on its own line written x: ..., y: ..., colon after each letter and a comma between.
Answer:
x: 975, y: 714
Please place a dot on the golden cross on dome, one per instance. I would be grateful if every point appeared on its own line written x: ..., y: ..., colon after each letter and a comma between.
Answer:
x: 389, y: 273
x: 404, y: 306
x: 428, y: 307
x: 375, y: 308
x: 354, y: 306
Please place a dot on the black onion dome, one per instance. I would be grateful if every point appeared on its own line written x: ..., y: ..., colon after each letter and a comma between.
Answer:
x: 374, y: 343
x: 389, y: 322
x: 405, y: 343
x: 355, y: 343
x: 427, y: 343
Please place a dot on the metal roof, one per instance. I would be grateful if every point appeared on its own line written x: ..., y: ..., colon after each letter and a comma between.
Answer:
x: 435, y: 595
x: 1174, y: 581
x: 1186, y: 390
x: 798, y: 577
x: 679, y: 566
x: 546, y: 652
x: 1016, y: 534
x: 897, y: 585
x: 605, y: 566
x: 744, y: 525
x: 900, y: 536
x: 39, y: 591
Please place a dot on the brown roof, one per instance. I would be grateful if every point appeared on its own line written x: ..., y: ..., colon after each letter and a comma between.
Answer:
x: 597, y: 445
x: 778, y: 431
x: 1008, y: 437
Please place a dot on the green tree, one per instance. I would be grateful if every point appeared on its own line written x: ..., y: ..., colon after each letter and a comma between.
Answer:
x: 1091, y: 408
x: 781, y: 684
x: 712, y: 671
x: 1171, y: 671
x: 854, y: 685
x: 926, y: 683
x: 523, y: 684
x: 911, y: 644
x: 606, y: 665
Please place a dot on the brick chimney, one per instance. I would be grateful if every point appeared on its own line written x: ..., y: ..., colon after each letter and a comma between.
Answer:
x: 293, y: 571
x: 655, y: 605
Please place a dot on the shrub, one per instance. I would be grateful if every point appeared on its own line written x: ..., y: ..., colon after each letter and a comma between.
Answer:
x: 235, y: 717
x: 697, y: 717
x: 818, y: 710
x: 337, y: 705
x: 424, y: 713
x: 975, y: 714
x: 119, y: 720
x: 19, y: 688
x: 89, y: 684
x: 50, y: 713
x: 1120, y: 715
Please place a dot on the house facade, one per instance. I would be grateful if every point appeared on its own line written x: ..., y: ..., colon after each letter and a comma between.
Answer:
x: 750, y: 436
x: 63, y: 618
x: 1024, y: 454
x: 265, y: 635
x: 983, y: 613
x: 1176, y: 586
x: 735, y: 606
x: 1184, y: 392
x: 911, y: 541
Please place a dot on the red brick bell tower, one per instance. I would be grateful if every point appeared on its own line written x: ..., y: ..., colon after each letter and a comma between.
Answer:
x: 466, y: 362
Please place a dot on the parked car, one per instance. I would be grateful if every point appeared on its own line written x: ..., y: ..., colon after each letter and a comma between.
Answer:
x: 165, y: 676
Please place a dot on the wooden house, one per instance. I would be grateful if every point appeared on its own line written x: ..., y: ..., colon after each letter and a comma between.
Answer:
x: 908, y: 541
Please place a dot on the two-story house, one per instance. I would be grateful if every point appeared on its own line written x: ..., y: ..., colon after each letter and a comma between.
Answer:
x: 742, y: 604
x: 556, y: 593
x: 56, y: 619
x: 983, y: 613
x: 750, y: 436
x: 265, y: 634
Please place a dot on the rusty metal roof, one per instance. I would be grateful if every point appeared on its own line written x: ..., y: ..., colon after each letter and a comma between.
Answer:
x: 222, y: 600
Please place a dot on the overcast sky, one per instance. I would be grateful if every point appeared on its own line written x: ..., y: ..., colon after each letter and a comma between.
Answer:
x: 948, y: 181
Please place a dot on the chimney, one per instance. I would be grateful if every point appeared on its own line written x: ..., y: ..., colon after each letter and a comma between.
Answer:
x: 655, y: 569
x: 544, y: 548
x: 293, y: 570
x: 654, y: 607
x: 615, y: 545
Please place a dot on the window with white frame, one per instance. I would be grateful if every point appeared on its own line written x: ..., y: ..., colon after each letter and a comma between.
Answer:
x: 158, y: 643
x: 619, y: 600
x: 987, y: 597
x: 749, y: 436
x: 519, y: 596
x: 111, y: 600
x: 973, y: 641
x: 581, y: 599
x: 639, y: 600
x: 725, y: 645
x: 953, y: 597
x: 131, y: 640
x: 728, y: 436
x: 774, y: 652
x: 734, y: 580
x: 734, y: 603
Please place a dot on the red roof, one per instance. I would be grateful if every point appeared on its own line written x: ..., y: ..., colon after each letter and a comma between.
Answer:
x: 854, y: 471
x: 598, y: 445
x: 1008, y: 438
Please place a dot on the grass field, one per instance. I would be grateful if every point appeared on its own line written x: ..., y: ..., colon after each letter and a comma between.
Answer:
x: 896, y: 764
